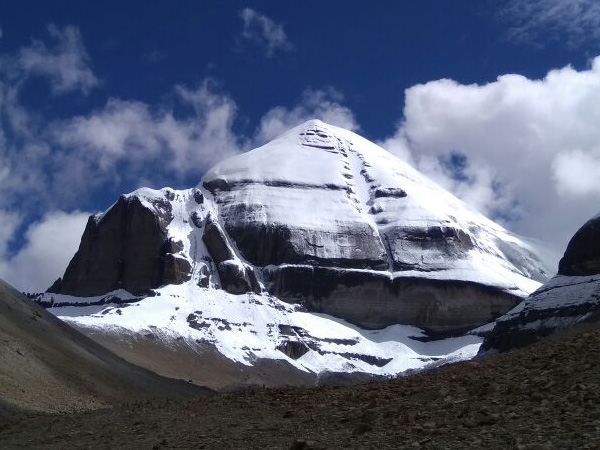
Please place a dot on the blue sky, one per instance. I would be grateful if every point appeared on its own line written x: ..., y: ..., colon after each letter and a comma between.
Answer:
x: 496, y: 100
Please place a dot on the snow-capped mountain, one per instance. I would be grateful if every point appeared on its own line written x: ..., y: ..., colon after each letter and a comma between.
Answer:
x: 319, y: 248
x: 569, y: 298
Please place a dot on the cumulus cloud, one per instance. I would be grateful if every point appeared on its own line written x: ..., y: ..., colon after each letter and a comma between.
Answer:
x: 325, y: 104
x: 528, y: 150
x: 263, y: 32
x: 139, y: 139
x: 575, y: 22
x: 577, y: 173
x: 49, y: 245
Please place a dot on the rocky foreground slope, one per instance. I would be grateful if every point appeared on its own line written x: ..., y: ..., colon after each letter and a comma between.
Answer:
x: 319, y: 249
x: 571, y: 297
x: 46, y: 365
x: 546, y: 396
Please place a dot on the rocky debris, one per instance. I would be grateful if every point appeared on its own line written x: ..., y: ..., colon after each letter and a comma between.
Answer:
x: 569, y: 298
x: 545, y: 396
x: 125, y: 248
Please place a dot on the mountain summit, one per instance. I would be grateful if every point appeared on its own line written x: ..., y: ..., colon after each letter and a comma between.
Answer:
x: 320, y: 220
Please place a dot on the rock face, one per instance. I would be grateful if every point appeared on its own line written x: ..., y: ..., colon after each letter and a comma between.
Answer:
x: 319, y: 217
x: 582, y: 256
x: 571, y: 297
x: 336, y: 223
x: 126, y: 248
x: 375, y: 301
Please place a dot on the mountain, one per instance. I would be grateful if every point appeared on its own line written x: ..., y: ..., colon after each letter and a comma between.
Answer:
x: 571, y: 297
x: 46, y: 365
x: 319, y: 251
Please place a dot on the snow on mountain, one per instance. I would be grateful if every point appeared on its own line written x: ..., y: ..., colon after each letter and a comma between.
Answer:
x: 324, y: 178
x: 249, y: 327
x: 320, y: 249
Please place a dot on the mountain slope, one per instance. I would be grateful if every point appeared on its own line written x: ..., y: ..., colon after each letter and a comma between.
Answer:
x: 571, y: 297
x: 319, y: 249
x: 46, y: 365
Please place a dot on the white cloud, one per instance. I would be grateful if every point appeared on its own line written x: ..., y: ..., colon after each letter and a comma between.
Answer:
x: 574, y: 22
x: 530, y: 149
x: 66, y: 63
x: 9, y: 220
x: 314, y: 104
x: 577, y: 173
x: 264, y: 32
x: 145, y: 138
x: 26, y: 159
x: 49, y: 246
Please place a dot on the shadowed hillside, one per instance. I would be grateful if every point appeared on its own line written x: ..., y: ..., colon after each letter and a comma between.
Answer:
x: 48, y: 366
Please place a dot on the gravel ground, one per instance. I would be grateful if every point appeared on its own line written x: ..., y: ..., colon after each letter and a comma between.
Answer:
x: 545, y: 396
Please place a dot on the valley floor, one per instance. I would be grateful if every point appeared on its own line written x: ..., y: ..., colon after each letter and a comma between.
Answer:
x: 546, y: 396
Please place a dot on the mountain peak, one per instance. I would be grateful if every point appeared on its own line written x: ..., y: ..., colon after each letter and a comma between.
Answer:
x: 319, y: 217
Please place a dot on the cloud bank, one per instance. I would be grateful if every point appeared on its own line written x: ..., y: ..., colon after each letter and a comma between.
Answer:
x: 526, y: 152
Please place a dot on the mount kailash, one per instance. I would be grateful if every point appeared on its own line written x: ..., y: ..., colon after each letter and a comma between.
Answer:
x: 318, y: 252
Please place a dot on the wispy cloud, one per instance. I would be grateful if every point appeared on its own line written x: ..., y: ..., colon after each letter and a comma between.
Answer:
x: 149, y: 142
x: 575, y: 22
x: 65, y: 62
x: 325, y: 104
x: 263, y: 32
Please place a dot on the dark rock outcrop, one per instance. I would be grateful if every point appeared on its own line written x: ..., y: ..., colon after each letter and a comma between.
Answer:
x: 293, y: 349
x: 374, y: 301
x: 582, y: 256
x: 126, y: 248
x: 264, y: 243
x: 571, y: 297
x: 235, y: 277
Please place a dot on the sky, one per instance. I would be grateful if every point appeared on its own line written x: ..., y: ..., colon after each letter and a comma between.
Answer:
x: 498, y: 101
